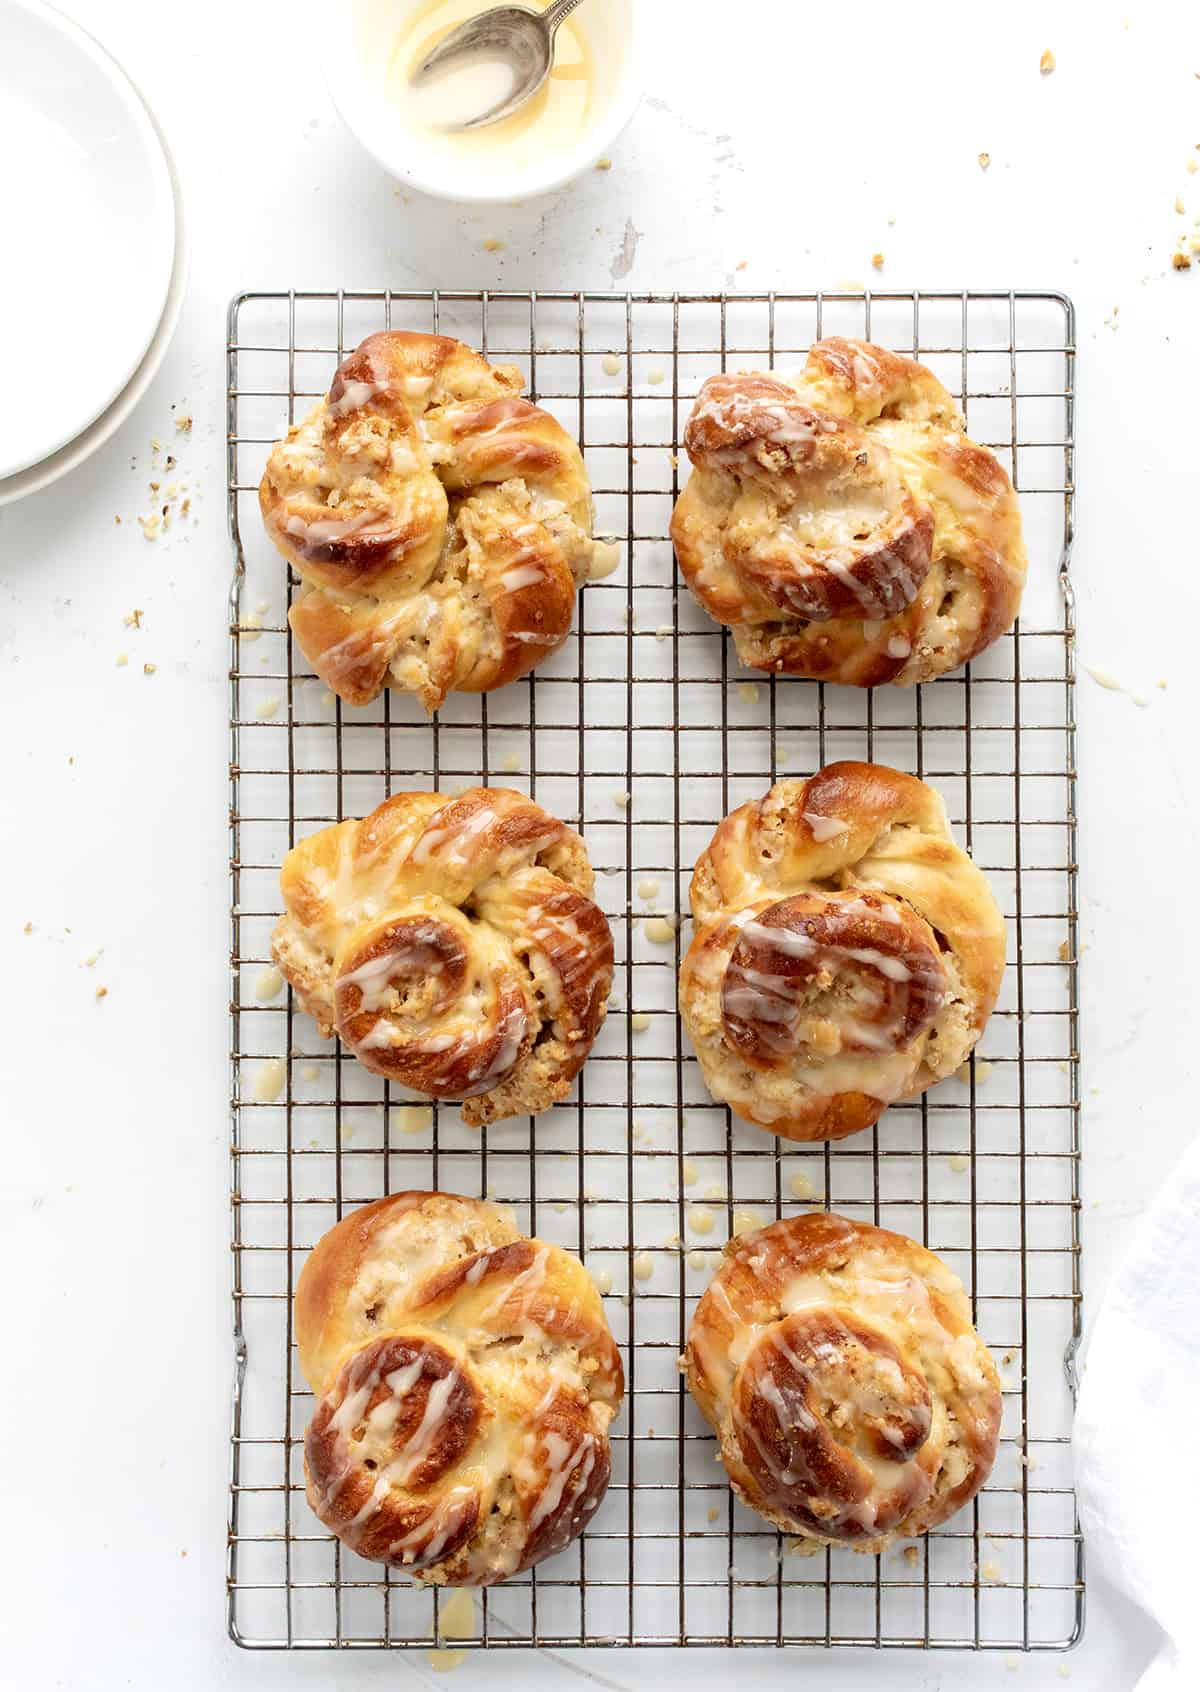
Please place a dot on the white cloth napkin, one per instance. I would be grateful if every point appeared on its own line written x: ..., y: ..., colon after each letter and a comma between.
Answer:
x: 1137, y: 1428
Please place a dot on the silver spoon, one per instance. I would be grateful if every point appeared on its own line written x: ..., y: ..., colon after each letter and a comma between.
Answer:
x: 524, y: 39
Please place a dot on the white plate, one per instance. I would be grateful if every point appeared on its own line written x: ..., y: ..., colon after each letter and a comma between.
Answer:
x: 90, y: 212
x: 49, y: 469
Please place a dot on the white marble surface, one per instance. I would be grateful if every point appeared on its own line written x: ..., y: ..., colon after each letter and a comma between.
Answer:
x: 793, y: 156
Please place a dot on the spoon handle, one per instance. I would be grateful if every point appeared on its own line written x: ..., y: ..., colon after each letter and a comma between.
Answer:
x: 554, y: 15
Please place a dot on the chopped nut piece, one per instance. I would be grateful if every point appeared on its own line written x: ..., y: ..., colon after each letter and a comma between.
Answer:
x: 102, y: 992
x: 149, y: 669
x: 604, y: 164
x: 877, y: 261
x: 184, y: 422
x: 985, y: 160
x: 912, y: 1555
x: 1047, y: 63
x: 133, y: 619
x: 1180, y: 261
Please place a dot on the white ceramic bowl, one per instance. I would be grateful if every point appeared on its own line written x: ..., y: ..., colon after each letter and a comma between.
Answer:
x: 89, y: 205
x: 359, y: 56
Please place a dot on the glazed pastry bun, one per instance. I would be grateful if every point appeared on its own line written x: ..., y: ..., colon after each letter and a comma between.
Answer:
x: 846, y: 952
x: 452, y: 945
x: 465, y: 1379
x: 843, y: 525
x: 441, y: 524
x: 853, y: 1400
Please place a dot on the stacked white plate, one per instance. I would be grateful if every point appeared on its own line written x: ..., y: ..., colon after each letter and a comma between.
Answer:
x: 95, y: 265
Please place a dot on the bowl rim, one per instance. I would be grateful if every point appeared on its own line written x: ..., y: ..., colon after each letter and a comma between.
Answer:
x: 341, y: 77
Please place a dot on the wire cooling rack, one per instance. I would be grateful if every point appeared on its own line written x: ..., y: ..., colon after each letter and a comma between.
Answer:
x: 643, y: 732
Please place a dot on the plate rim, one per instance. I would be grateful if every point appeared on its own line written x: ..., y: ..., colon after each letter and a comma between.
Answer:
x: 145, y: 131
x: 45, y: 471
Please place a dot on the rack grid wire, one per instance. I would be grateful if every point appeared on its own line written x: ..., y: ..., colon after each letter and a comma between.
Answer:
x: 641, y: 732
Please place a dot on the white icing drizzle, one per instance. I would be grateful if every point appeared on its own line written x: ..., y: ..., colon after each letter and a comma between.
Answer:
x: 825, y: 828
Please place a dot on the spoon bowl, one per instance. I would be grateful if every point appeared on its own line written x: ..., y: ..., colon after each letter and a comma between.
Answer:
x: 520, y: 39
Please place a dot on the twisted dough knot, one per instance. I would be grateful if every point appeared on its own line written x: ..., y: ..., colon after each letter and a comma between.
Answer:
x: 440, y: 523
x: 853, y: 1400
x: 465, y: 1380
x: 843, y: 524
x: 847, y: 952
x: 452, y: 946
x: 828, y: 973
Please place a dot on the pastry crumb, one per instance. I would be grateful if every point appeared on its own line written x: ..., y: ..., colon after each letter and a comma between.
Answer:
x: 492, y: 245
x: 443, y: 1658
x: 149, y: 669
x: 28, y: 928
x: 102, y: 992
x: 411, y: 1119
x: 1180, y: 208
x: 714, y: 1515
x: 1064, y: 950
x: 133, y: 619
x: 183, y: 423
x: 151, y: 526
x: 1048, y: 63
x: 606, y: 557
x: 877, y: 261
x: 603, y: 164
x: 985, y: 160
x: 912, y: 1554
x: 1180, y: 261
x: 122, y: 660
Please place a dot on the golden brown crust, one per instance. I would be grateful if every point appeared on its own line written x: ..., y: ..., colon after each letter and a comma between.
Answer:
x: 846, y: 952
x: 452, y: 945
x: 843, y: 525
x: 465, y: 1379
x: 853, y: 1400
x: 441, y: 524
